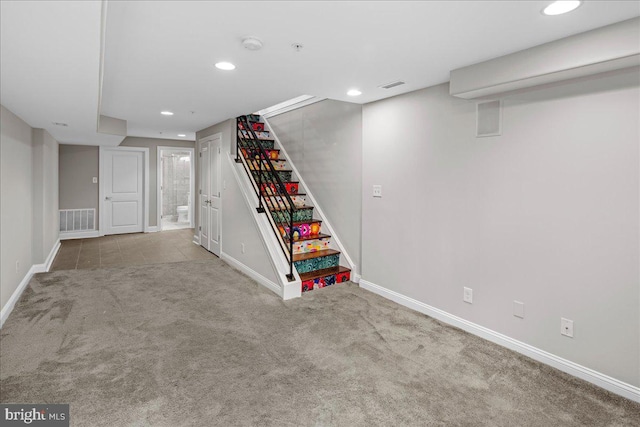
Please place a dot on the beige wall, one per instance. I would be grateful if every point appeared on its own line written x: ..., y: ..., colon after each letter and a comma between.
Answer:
x: 324, y: 142
x: 152, y: 144
x: 78, y: 166
x: 28, y: 200
x: 546, y: 214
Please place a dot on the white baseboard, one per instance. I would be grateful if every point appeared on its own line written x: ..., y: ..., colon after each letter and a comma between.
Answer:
x: 608, y: 383
x: 79, y: 235
x: 152, y: 229
x: 8, y: 307
x: 36, y: 268
x: 43, y: 268
x: 356, y: 278
x: 251, y: 273
x: 196, y: 239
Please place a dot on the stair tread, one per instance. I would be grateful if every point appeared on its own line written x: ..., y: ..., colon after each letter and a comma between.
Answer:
x: 317, y: 254
x: 324, y: 272
x: 309, y: 237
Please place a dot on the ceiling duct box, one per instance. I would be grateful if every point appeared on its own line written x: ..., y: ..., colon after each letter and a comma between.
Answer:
x: 609, y: 48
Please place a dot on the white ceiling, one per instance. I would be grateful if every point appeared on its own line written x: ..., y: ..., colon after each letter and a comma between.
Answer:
x: 160, y: 54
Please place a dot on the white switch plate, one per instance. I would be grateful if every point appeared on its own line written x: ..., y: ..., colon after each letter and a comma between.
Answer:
x: 518, y: 309
x: 467, y: 296
x: 242, y: 247
x: 377, y: 191
x: 566, y: 327
x: 95, y: 179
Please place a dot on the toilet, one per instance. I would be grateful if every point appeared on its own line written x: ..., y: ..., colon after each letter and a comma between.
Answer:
x: 183, y: 213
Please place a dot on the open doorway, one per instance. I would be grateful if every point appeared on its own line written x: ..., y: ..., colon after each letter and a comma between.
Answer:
x: 176, y: 173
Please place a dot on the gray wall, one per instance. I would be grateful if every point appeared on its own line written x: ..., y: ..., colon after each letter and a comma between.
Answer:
x: 45, y: 194
x: 238, y: 226
x: 546, y: 214
x: 152, y: 144
x: 324, y: 142
x: 28, y: 199
x: 228, y: 143
x: 78, y: 165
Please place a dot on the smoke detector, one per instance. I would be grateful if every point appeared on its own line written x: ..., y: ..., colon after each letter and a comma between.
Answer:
x: 252, y: 43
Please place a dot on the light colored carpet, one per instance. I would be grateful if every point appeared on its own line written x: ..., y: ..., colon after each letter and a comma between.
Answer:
x: 198, y: 344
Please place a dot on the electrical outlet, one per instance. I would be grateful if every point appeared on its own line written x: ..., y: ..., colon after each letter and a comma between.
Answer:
x: 377, y: 191
x: 566, y: 327
x: 467, y: 296
x: 518, y: 309
x: 17, y: 266
x: 242, y: 247
x: 95, y: 180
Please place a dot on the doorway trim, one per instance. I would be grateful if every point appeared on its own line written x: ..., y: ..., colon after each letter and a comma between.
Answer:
x: 192, y: 186
x: 145, y: 186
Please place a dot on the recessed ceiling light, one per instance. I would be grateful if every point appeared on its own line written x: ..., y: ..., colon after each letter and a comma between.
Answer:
x: 182, y: 135
x: 166, y: 113
x: 354, y: 92
x: 560, y: 7
x: 226, y: 66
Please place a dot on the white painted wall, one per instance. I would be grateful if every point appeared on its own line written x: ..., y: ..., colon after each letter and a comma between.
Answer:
x: 547, y: 213
x: 324, y: 142
x: 28, y: 200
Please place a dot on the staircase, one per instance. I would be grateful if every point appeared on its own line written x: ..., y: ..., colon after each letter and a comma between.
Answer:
x: 306, y: 248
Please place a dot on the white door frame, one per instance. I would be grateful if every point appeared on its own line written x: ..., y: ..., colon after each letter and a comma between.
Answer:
x: 192, y: 186
x: 145, y: 191
x: 199, y: 146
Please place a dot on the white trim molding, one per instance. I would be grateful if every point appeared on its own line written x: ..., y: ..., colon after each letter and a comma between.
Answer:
x: 192, y: 186
x: 606, y: 382
x: 251, y: 273
x: 36, y: 268
x: 79, y: 235
x: 153, y: 229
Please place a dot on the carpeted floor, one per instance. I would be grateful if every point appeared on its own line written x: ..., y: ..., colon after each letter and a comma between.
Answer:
x: 198, y: 344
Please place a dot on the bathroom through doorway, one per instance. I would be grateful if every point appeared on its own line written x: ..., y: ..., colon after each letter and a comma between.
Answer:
x: 176, y: 176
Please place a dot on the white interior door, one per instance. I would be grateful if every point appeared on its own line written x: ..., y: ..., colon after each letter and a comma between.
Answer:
x: 205, y: 172
x: 123, y: 186
x: 210, y: 194
x: 214, y: 206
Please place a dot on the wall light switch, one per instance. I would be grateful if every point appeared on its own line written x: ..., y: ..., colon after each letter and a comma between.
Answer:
x: 95, y: 179
x: 242, y: 247
x: 377, y: 191
x: 518, y: 309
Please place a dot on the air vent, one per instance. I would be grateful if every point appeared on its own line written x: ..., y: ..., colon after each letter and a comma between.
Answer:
x: 60, y: 124
x: 488, y: 118
x: 392, y: 84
